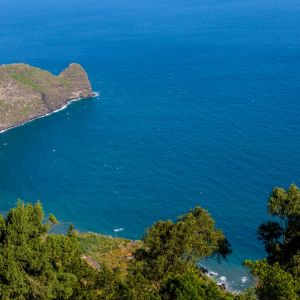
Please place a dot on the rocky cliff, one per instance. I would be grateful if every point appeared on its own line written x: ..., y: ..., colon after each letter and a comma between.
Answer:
x: 27, y: 92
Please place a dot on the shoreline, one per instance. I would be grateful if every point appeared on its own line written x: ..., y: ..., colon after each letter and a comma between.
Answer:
x: 95, y: 95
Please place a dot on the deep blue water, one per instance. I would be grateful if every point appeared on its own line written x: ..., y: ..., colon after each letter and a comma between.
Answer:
x: 199, y: 105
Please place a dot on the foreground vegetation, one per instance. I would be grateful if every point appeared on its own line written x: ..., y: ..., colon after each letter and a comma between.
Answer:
x: 37, y: 265
x: 278, y: 276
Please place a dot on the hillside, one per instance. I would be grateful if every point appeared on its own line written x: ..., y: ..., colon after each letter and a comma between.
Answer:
x: 27, y: 92
x: 113, y: 252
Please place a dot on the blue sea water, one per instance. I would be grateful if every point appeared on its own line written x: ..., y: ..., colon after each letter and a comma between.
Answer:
x: 199, y: 105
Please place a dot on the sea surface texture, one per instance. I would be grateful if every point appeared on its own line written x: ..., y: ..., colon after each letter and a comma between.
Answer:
x: 199, y: 105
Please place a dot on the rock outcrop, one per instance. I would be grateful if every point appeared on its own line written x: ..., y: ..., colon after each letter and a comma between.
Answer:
x: 27, y: 92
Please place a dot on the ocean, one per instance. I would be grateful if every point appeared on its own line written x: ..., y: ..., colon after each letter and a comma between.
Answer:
x: 199, y: 105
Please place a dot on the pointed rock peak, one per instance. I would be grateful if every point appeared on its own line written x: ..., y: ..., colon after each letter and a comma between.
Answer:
x: 78, y: 78
x: 73, y: 70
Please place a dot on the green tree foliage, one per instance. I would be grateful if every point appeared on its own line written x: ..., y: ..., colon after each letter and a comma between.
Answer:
x: 172, y: 248
x: 274, y: 283
x: 35, y: 265
x: 248, y: 294
x: 191, y: 285
x: 165, y: 267
x: 282, y: 238
x: 53, y: 219
x: 278, y: 277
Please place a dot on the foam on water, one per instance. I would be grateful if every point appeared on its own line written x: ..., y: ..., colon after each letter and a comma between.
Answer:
x: 118, y: 229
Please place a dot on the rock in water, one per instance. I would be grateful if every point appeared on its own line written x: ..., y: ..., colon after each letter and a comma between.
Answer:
x: 27, y: 92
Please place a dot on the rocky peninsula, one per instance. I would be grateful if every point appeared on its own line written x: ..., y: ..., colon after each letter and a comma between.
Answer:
x: 27, y: 93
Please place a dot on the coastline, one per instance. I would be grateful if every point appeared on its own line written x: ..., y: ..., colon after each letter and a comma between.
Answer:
x: 95, y: 95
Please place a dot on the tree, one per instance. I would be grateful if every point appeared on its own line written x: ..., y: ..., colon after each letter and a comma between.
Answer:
x: 282, y: 238
x: 278, y: 276
x: 36, y: 265
x: 274, y: 283
x: 191, y: 285
x: 171, y: 248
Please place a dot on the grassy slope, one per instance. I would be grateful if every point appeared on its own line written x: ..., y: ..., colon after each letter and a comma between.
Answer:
x: 39, y: 80
x: 113, y: 252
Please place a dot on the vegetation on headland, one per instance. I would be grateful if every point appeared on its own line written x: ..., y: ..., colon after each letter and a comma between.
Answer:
x: 27, y: 93
x: 164, y: 265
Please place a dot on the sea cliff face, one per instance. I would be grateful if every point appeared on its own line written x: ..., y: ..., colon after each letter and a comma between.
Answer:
x: 27, y: 92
